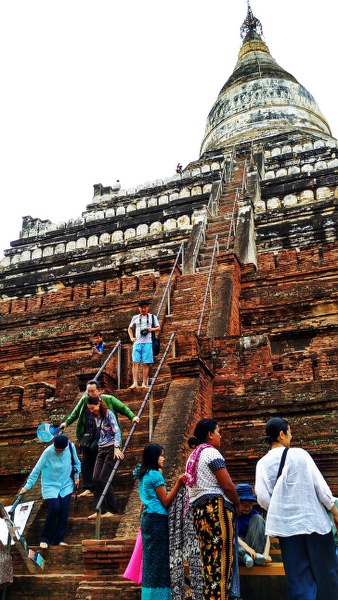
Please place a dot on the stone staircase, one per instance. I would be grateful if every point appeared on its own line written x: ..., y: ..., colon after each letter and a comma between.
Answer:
x: 220, y: 224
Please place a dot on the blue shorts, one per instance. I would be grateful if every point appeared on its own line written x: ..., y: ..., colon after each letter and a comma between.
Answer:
x: 143, y: 353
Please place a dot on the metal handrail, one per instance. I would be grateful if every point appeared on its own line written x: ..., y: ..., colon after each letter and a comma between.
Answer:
x: 213, y: 202
x: 244, y: 176
x: 232, y: 226
x: 208, y: 284
x: 11, y: 513
x: 212, y: 207
x: 116, y: 347
x: 200, y: 237
x: 232, y: 160
x: 126, y: 444
x: 167, y: 289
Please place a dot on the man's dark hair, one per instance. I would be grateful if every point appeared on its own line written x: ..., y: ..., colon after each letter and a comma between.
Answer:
x: 94, y: 382
x: 97, y: 333
x: 143, y: 303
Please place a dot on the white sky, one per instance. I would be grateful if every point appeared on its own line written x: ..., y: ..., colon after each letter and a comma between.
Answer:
x: 98, y: 90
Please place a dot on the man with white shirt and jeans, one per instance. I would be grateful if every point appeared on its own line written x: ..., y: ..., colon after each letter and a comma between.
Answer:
x: 297, y: 500
x: 140, y: 332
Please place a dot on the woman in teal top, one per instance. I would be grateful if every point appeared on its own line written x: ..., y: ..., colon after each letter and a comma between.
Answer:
x: 154, y: 524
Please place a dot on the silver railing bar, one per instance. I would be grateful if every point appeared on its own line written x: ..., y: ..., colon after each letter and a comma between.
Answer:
x: 200, y: 237
x: 167, y: 289
x: 208, y: 284
x: 11, y: 513
x: 130, y: 435
x: 151, y: 417
x: 117, y: 345
x: 119, y: 362
x: 232, y: 218
x: 244, y: 176
x: 212, y: 209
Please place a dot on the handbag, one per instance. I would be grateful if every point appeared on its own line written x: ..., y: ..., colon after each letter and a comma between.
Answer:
x: 134, y: 568
x: 155, y: 341
x: 86, y: 441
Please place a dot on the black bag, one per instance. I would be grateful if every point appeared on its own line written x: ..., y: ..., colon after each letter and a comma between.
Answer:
x: 154, y: 339
x: 86, y: 441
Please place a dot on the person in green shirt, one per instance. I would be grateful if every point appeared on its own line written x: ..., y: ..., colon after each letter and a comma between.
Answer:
x: 86, y: 424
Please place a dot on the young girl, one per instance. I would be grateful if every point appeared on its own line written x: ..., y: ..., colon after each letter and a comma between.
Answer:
x: 109, y: 449
x: 154, y: 524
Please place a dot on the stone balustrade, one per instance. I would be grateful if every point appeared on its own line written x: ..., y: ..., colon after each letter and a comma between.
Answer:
x: 304, y: 197
x: 120, y: 236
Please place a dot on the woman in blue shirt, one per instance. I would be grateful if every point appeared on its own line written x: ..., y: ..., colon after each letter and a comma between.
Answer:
x: 56, y: 464
x: 154, y: 524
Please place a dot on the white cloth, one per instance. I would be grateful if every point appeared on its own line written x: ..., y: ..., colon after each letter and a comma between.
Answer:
x: 296, y: 504
x: 143, y: 322
x: 206, y: 482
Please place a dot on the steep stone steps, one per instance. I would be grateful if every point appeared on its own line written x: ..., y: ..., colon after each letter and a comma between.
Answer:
x: 42, y: 586
x: 118, y: 589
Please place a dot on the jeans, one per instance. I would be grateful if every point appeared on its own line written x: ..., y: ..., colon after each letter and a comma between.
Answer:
x: 87, y: 466
x: 103, y: 467
x: 311, y: 566
x: 56, y: 522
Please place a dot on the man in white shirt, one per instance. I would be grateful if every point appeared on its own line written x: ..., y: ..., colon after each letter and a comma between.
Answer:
x: 140, y: 332
x: 297, y: 500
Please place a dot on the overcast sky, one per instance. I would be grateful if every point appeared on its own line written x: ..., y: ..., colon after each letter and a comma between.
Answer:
x: 98, y: 90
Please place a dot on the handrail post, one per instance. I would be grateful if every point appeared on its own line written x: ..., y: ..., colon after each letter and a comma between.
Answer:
x: 98, y: 524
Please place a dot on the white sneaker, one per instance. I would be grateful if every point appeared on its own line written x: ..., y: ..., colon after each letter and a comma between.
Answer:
x: 43, y: 545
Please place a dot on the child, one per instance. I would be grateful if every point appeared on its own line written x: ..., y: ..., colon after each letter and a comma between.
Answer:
x: 254, y: 546
x: 99, y: 344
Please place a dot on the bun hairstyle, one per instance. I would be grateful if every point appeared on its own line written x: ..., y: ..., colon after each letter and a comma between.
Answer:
x: 273, y: 428
x: 203, y: 427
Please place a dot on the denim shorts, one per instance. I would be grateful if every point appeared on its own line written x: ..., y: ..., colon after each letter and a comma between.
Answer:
x: 143, y: 353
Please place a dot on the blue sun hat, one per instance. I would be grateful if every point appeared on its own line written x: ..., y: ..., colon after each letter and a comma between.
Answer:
x: 244, y: 491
